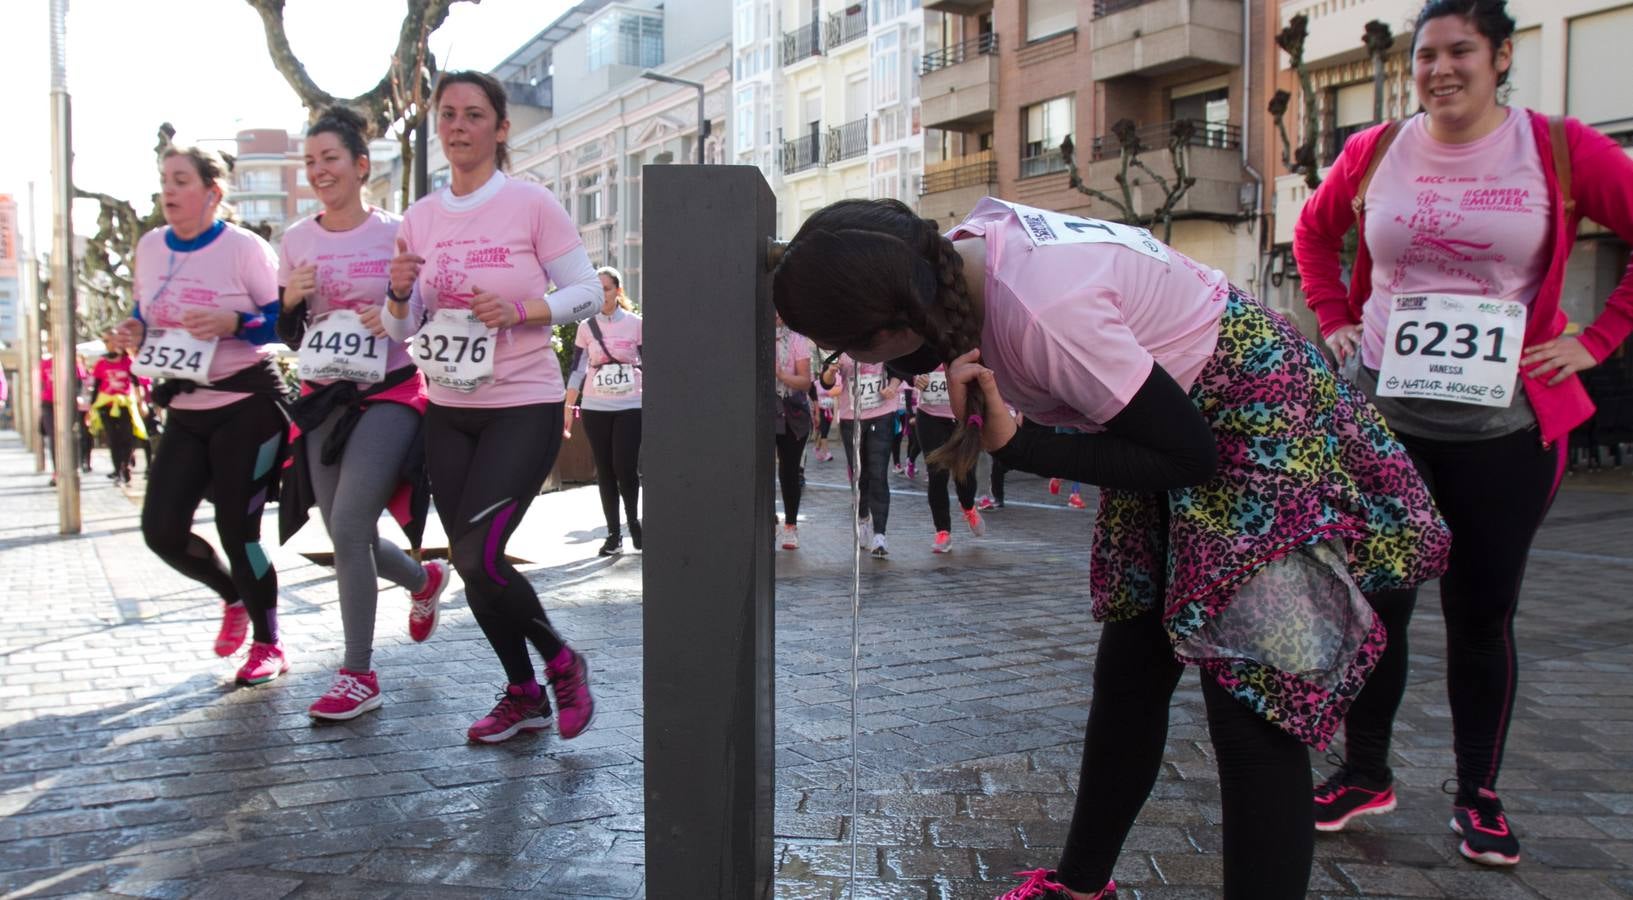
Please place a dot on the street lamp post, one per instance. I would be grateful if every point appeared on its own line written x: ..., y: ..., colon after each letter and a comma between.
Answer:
x: 670, y: 79
x: 64, y: 368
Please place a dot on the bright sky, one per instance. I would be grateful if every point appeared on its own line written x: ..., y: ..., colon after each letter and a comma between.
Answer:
x: 203, y: 66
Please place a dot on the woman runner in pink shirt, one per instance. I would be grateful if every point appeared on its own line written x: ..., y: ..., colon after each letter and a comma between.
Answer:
x: 471, y: 280
x: 1453, y: 326
x: 873, y: 409
x: 206, y: 307
x: 356, y: 432
x: 1246, y: 490
x: 935, y: 426
x: 607, y: 371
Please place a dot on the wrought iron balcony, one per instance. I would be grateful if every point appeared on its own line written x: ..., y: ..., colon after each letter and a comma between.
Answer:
x: 802, y: 43
x: 984, y: 45
x: 848, y: 141
x: 847, y: 26
x: 805, y: 152
x: 1155, y: 137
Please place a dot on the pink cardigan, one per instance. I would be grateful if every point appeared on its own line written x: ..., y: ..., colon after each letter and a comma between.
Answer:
x: 1601, y: 185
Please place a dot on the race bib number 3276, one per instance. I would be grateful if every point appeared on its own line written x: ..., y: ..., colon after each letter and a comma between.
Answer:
x: 454, y: 350
x: 1454, y: 348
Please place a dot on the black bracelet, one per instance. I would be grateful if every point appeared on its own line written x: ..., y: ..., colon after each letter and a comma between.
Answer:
x: 392, y: 295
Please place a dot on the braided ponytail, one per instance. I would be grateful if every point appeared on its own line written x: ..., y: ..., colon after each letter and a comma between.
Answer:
x: 957, y: 332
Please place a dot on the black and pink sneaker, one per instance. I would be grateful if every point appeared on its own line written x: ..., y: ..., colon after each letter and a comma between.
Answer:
x: 1348, y: 794
x: 1044, y: 884
x: 1487, y: 839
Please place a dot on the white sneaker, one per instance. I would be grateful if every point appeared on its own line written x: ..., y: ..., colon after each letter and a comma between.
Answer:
x: 864, y: 534
x: 880, y: 551
x: 790, y: 537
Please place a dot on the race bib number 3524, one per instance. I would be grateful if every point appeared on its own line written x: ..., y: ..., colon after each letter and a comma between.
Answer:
x: 1454, y: 348
x: 173, y: 353
x: 454, y: 350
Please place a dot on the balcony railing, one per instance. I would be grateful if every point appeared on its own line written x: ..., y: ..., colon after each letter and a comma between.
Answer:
x: 985, y: 45
x: 805, y: 152
x: 1155, y: 137
x: 802, y: 43
x: 977, y: 174
x: 1045, y: 163
x: 848, y: 141
x: 847, y: 26
x: 1103, y: 8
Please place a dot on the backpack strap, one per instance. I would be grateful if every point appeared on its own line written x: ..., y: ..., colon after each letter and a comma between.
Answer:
x: 1358, y: 202
x: 595, y: 329
x: 1562, y: 163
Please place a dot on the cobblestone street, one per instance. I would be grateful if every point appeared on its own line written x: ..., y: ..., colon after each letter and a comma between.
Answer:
x: 130, y: 765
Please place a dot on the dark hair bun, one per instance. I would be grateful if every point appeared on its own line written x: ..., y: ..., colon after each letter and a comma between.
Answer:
x: 346, y: 124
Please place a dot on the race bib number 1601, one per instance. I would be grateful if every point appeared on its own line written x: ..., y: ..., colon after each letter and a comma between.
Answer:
x: 1455, y: 348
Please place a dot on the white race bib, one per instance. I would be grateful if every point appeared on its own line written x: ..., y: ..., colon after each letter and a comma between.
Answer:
x: 1045, y: 227
x: 454, y: 350
x: 935, y: 390
x: 1448, y: 347
x: 338, y: 346
x: 614, y: 379
x: 173, y: 353
x: 870, y: 391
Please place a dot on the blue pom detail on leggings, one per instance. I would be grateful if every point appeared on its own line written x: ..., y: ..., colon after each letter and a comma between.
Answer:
x: 257, y: 558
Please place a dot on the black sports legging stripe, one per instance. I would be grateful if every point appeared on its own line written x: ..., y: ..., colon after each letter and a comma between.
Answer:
x: 121, y: 437
x: 1264, y: 773
x: 1494, y: 495
x: 873, y: 473
x: 231, y: 454
x: 486, y: 466
x: 933, y: 431
x: 615, y: 440
x: 790, y: 450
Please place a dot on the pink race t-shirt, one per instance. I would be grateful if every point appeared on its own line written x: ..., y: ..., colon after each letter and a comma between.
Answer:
x: 499, y: 244
x: 621, y: 334
x: 1469, y: 219
x: 352, y: 273
x: 112, y: 376
x: 1072, y: 329
x: 791, y: 348
x: 238, y: 272
x: 871, y: 403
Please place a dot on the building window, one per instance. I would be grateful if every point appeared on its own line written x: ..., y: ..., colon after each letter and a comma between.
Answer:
x: 1046, y: 18
x: 625, y: 38
x: 589, y: 198
x: 1350, y: 108
x: 746, y: 107
x: 307, y: 205
x: 1598, y: 45
x: 887, y: 69
x: 1043, y: 127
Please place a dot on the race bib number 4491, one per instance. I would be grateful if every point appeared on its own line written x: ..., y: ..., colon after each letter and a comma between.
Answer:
x: 1450, y: 347
x: 173, y: 353
x: 337, y: 346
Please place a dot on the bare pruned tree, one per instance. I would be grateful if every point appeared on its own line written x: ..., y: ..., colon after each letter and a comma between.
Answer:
x: 107, y: 265
x: 399, y: 98
x: 1379, y: 40
x: 1301, y: 161
x: 1130, y: 148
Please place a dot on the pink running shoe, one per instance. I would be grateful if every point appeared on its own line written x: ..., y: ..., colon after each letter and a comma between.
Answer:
x: 423, y: 604
x: 978, y: 526
x: 1075, y: 501
x: 518, y: 710
x: 1054, y: 485
x: 352, y: 694
x: 234, y: 627
x: 570, y: 678
x: 1040, y: 884
x: 790, y: 537
x: 985, y: 503
x: 265, y: 662
x: 943, y: 543
x: 912, y: 470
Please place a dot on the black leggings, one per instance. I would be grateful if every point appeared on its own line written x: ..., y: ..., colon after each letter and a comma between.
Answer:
x: 121, y: 438
x: 230, y: 454
x: 1494, y: 494
x: 873, y: 475
x: 615, y: 439
x: 486, y: 467
x: 933, y: 431
x: 790, y: 450
x: 1264, y: 773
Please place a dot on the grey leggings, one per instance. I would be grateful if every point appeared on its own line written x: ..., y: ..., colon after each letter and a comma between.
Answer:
x: 352, y: 495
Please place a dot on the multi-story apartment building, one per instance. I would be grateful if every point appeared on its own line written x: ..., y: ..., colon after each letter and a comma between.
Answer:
x: 1005, y: 83
x: 1564, y: 54
x: 269, y: 179
x: 845, y: 102
x: 584, y: 122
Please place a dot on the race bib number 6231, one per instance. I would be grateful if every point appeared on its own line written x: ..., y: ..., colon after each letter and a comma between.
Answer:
x: 173, y: 353
x: 1454, y: 348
